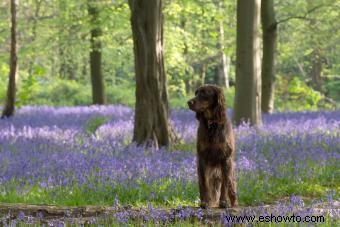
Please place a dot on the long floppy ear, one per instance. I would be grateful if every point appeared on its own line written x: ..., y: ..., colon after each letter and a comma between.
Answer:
x: 219, y: 110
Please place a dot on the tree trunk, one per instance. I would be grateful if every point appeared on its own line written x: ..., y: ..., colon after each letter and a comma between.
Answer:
x: 316, y: 63
x: 269, y: 34
x: 203, y: 72
x: 223, y: 66
x: 13, y: 68
x: 98, y: 94
x: 151, y: 113
x: 316, y: 70
x: 187, y: 86
x: 188, y: 75
x: 247, y: 105
x: 37, y: 4
x: 64, y: 63
x: 223, y: 70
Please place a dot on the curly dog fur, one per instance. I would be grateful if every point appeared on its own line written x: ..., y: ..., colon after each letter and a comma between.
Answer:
x: 215, y: 148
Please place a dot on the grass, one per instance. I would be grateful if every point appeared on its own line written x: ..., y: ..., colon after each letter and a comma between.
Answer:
x: 94, y: 123
x: 254, y: 189
x: 160, y: 194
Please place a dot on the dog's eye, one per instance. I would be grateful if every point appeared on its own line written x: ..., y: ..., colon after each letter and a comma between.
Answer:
x: 203, y: 94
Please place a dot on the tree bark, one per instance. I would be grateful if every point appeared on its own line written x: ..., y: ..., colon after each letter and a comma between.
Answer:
x: 188, y: 76
x: 151, y: 111
x: 223, y: 66
x: 203, y: 74
x: 223, y: 70
x: 269, y: 34
x: 316, y: 70
x: 37, y: 4
x: 13, y: 70
x: 247, y: 105
x: 316, y: 63
x: 98, y: 94
x: 65, y: 61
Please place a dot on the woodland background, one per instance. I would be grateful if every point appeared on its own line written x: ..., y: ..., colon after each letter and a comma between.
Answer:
x: 54, y: 46
x: 134, y: 150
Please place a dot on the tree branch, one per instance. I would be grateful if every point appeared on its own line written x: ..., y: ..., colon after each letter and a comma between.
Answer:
x: 331, y: 101
x: 30, y: 18
x: 301, y: 17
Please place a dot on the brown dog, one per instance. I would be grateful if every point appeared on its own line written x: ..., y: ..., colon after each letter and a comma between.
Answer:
x: 215, y: 148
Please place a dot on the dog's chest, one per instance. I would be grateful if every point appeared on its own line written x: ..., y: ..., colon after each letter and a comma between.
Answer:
x: 210, y: 143
x: 211, y: 135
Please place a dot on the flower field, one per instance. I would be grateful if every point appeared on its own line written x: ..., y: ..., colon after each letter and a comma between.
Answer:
x: 83, y: 155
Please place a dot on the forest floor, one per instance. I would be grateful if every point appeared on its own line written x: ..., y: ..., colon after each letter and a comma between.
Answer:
x: 79, y: 215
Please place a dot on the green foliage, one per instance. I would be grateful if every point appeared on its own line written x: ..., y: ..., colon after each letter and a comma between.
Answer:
x: 4, y: 70
x: 63, y: 93
x: 180, y: 101
x: 167, y: 192
x: 299, y: 90
x: 121, y: 95
x: 229, y: 95
x: 54, y: 48
x: 333, y: 89
x: 295, y: 95
x: 94, y: 123
x: 28, y: 87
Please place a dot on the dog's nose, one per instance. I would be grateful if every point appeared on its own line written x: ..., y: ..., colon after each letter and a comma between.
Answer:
x: 190, y: 102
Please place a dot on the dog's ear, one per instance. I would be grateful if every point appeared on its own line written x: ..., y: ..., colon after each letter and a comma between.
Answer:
x: 219, y: 107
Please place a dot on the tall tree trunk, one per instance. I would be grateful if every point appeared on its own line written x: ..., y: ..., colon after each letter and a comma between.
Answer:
x: 66, y: 36
x: 152, y: 109
x: 247, y: 105
x: 316, y: 70
x: 37, y: 4
x: 84, y: 67
x: 98, y: 94
x: 63, y: 66
x: 223, y: 66
x: 203, y: 72
x: 222, y: 71
x: 188, y: 76
x: 269, y: 34
x: 316, y: 63
x: 13, y: 68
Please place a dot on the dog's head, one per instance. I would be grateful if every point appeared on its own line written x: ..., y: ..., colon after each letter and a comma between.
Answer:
x: 208, y: 102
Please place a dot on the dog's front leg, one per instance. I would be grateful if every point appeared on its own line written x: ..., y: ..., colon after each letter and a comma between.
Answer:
x: 203, y: 183
x: 228, y: 184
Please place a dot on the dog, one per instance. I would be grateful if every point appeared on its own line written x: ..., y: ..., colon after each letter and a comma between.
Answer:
x: 215, y: 148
